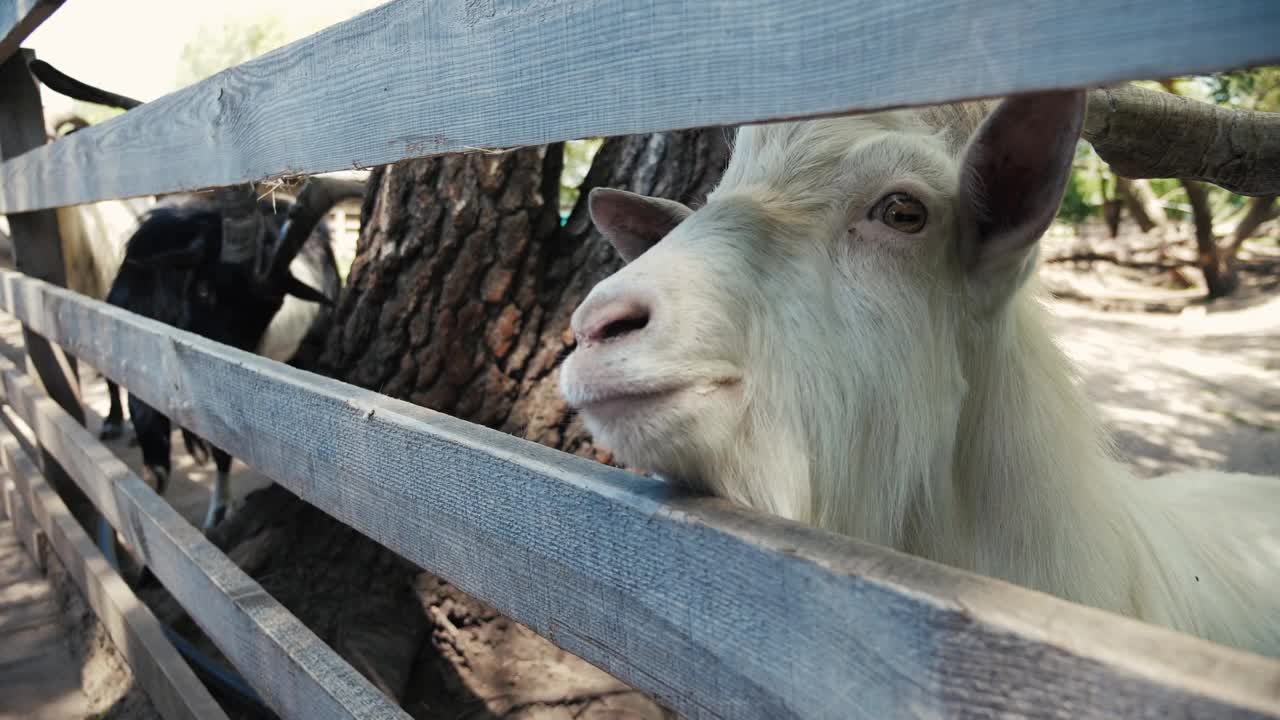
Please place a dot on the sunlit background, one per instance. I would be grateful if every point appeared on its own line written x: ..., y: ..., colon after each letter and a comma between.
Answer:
x: 147, y: 48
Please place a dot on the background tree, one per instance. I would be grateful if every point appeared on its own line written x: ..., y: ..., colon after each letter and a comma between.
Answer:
x: 1255, y: 89
x: 459, y: 299
x: 1175, y: 210
x: 216, y: 47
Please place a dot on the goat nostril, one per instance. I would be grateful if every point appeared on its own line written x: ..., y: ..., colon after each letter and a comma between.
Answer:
x: 616, y: 320
x: 625, y: 325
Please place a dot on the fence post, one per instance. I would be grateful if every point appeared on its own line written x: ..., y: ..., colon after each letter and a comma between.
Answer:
x: 37, y: 251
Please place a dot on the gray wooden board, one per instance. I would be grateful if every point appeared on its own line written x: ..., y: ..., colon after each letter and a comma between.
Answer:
x: 38, y: 252
x: 31, y: 538
x: 20, y: 18
x: 419, y: 78
x: 157, y: 666
x: 24, y: 595
x: 36, y: 249
x: 297, y: 675
x: 716, y: 611
x: 39, y: 678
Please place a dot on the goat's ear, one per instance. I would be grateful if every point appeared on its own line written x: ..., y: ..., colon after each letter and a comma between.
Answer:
x: 1015, y: 172
x: 633, y: 223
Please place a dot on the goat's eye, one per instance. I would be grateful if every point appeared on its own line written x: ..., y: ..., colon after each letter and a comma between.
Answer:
x: 901, y: 212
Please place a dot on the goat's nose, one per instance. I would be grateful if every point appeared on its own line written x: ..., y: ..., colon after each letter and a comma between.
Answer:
x: 610, y: 319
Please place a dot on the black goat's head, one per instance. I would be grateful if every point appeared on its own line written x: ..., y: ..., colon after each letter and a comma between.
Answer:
x: 219, y: 269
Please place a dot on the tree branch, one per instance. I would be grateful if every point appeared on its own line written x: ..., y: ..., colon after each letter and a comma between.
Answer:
x: 1113, y: 260
x: 1261, y: 209
x: 1150, y: 134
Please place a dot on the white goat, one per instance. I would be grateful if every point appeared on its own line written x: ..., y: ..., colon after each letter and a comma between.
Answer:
x: 847, y: 334
x: 93, y: 238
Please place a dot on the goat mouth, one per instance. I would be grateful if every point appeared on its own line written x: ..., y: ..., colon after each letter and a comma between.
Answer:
x: 620, y: 400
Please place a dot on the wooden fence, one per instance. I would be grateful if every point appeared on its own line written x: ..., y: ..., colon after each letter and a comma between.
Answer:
x: 714, y: 611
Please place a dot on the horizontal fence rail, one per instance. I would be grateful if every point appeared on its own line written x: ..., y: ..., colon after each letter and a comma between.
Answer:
x: 20, y: 18
x: 423, y: 77
x: 716, y: 611
x: 295, y: 672
x: 156, y: 665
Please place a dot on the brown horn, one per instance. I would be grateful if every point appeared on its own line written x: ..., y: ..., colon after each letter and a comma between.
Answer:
x: 316, y: 198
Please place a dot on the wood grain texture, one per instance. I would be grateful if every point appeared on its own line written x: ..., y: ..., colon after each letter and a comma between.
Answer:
x: 36, y: 249
x: 717, y: 611
x: 297, y: 675
x: 23, y: 527
x: 39, y: 678
x: 163, y: 673
x: 423, y: 78
x: 38, y: 252
x: 20, y: 18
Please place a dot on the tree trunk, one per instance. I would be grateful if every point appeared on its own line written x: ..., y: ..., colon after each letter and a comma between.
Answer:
x: 1141, y: 202
x: 1261, y: 210
x: 459, y: 299
x: 1112, y: 212
x: 1213, y: 261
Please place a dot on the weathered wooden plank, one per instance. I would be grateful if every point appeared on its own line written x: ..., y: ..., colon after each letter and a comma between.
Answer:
x: 28, y: 533
x: 20, y: 18
x: 716, y: 611
x: 39, y: 679
x: 38, y: 252
x: 422, y: 78
x: 23, y: 555
x: 157, y: 666
x: 36, y: 249
x: 297, y: 675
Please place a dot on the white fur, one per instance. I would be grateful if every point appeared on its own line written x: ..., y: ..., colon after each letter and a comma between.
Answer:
x: 807, y: 361
x: 294, y: 318
x: 93, y: 237
x: 219, y: 500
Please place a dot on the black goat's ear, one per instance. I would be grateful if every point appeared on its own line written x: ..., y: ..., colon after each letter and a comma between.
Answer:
x: 295, y: 287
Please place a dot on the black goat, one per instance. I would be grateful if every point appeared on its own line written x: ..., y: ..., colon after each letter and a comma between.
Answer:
x: 201, y: 266
x: 222, y: 267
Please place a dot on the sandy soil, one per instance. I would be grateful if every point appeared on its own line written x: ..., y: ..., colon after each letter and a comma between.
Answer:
x: 1181, y: 382
x: 1200, y: 389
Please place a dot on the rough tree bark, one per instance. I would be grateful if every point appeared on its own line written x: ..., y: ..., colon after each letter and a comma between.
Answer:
x: 1215, y: 262
x: 1144, y: 133
x: 459, y: 299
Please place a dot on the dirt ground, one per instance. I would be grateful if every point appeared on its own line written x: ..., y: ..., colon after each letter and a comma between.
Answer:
x: 1181, y: 383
